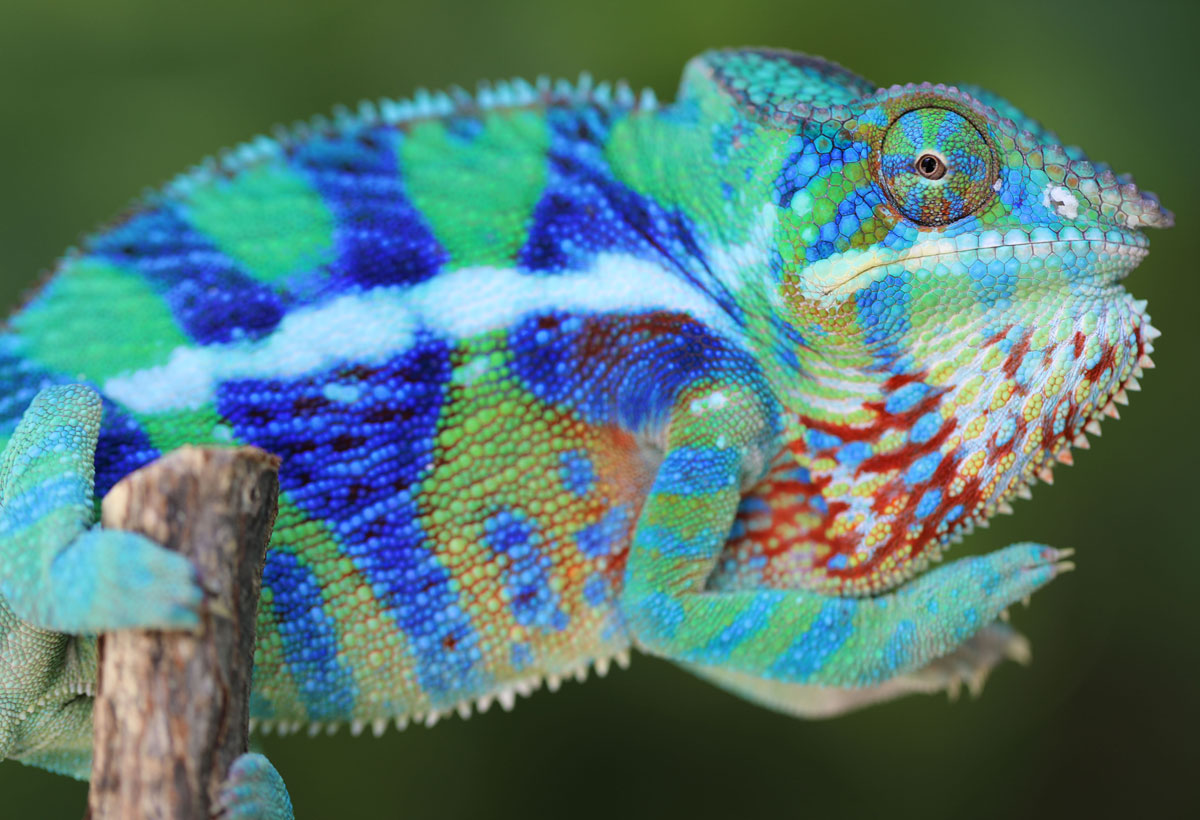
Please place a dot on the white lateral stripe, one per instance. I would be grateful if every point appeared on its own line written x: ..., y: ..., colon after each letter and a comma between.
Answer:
x: 372, y: 326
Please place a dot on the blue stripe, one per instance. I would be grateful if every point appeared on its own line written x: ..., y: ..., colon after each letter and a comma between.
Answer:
x: 627, y: 369
x: 309, y: 637
x: 606, y: 536
x: 213, y: 300
x: 357, y: 466
x: 748, y: 623
x: 585, y: 211
x: 123, y: 445
x: 883, y: 309
x: 698, y: 471
x: 898, y: 652
x: 526, y: 573
x: 832, y: 627
x: 381, y: 238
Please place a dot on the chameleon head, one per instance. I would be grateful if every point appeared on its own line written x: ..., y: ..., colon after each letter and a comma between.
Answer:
x: 952, y: 277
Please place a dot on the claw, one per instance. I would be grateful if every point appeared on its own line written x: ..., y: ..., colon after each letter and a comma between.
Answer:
x: 1019, y: 650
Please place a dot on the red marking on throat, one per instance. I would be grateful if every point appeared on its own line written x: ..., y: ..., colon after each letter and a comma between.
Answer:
x: 1015, y: 356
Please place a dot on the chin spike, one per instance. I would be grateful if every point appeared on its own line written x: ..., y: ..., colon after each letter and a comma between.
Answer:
x: 379, y: 726
x: 356, y: 727
x: 1110, y: 410
x: 1151, y: 332
x: 1023, y: 491
x: 1081, y: 441
x: 622, y: 658
x: 1121, y: 397
x: 1046, y: 475
x: 1146, y: 362
x: 1064, y: 456
x: 1093, y: 427
x: 1004, y: 508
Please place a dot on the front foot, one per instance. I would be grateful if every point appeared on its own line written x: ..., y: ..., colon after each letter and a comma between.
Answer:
x: 61, y: 578
x: 253, y: 790
x: 971, y: 662
x: 798, y: 637
x: 109, y: 579
x: 57, y: 570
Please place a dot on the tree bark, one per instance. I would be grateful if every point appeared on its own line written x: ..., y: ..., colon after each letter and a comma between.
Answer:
x: 172, y: 708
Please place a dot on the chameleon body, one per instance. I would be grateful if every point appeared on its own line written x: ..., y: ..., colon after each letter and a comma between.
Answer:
x: 556, y: 371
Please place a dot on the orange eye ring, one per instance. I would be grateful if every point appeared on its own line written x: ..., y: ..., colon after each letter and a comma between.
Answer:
x: 930, y: 166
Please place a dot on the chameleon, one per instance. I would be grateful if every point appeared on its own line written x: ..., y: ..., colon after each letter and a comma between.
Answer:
x: 557, y: 371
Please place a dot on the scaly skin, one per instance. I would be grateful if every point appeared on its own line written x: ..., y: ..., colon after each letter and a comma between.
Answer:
x: 556, y: 371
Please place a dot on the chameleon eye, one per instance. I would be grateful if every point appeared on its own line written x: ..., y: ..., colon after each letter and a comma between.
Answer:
x: 936, y: 167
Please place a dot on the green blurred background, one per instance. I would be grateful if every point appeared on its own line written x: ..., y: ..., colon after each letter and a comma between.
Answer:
x: 100, y: 100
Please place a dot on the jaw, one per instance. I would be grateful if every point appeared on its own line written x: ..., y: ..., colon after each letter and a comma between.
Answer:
x: 941, y: 386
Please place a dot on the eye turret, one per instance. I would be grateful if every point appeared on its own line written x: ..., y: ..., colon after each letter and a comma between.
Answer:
x: 936, y: 167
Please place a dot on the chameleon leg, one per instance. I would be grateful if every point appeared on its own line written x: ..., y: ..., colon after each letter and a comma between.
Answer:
x: 60, y: 575
x: 57, y: 570
x: 46, y: 681
x: 970, y: 662
x: 715, y: 445
x: 254, y: 791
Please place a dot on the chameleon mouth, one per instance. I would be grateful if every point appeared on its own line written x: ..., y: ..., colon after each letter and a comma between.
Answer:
x: 1110, y: 257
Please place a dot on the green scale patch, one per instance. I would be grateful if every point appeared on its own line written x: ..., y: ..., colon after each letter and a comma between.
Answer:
x: 268, y: 219
x: 478, y: 184
x: 125, y: 325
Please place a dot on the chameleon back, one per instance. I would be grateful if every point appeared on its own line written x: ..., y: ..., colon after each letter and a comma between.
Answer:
x: 406, y: 306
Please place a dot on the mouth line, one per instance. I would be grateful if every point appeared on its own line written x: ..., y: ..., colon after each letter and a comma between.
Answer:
x: 1142, y: 250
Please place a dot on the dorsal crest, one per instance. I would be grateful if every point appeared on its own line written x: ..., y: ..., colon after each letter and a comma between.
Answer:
x: 777, y: 85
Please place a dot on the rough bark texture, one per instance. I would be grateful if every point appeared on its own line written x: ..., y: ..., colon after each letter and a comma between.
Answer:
x: 172, y: 708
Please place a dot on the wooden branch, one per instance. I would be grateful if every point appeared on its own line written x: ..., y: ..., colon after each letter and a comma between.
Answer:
x: 172, y: 708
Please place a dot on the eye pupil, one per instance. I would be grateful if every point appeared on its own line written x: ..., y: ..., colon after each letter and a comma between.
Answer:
x: 931, y: 166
